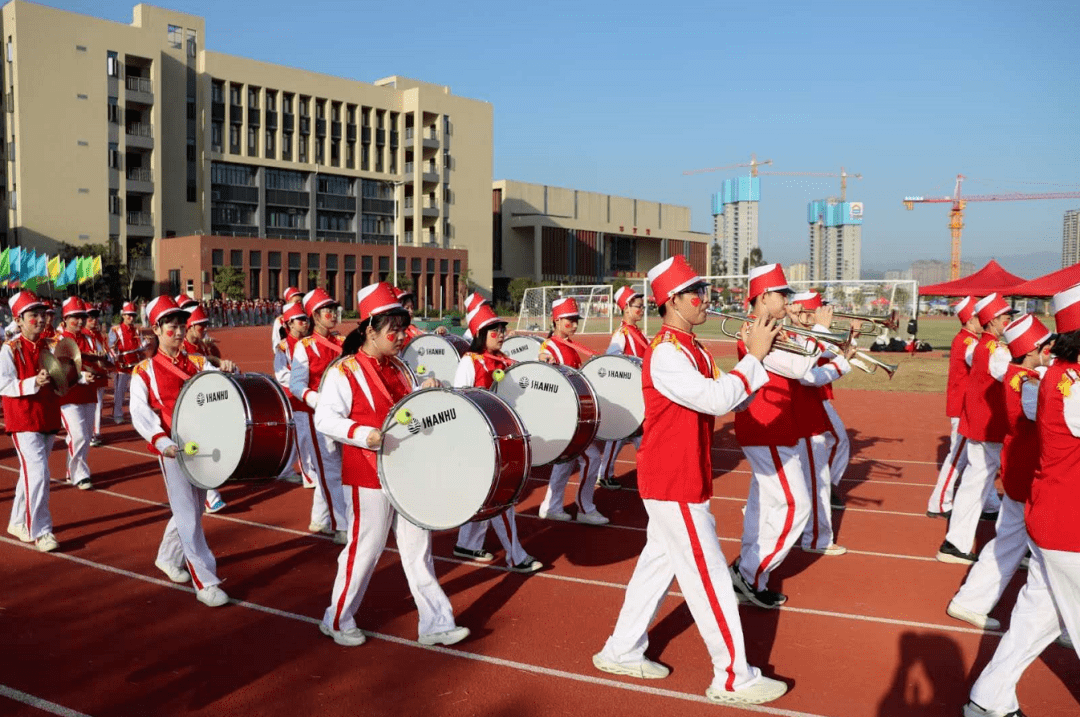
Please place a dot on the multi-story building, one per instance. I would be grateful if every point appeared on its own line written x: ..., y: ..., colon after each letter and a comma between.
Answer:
x: 797, y: 272
x: 735, y: 221
x: 124, y: 135
x: 835, y: 240
x: 933, y: 271
x: 1070, y: 239
x: 571, y: 236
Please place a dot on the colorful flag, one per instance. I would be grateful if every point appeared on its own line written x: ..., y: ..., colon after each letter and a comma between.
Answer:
x: 85, y: 264
x: 5, y: 263
x: 42, y: 269
x: 29, y: 266
x: 58, y: 280
x: 55, y: 267
x: 15, y: 265
x: 31, y: 284
x: 97, y: 265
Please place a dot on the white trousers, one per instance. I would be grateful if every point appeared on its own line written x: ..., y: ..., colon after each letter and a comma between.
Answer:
x: 777, y: 508
x: 370, y: 516
x: 97, y: 411
x: 998, y: 561
x: 1049, y: 601
x: 328, y: 501
x: 610, y: 454
x: 560, y: 476
x: 31, y: 505
x: 471, y: 536
x: 184, y: 542
x: 305, y: 446
x: 78, y: 420
x: 818, y: 532
x: 941, y: 498
x: 120, y: 395
x: 681, y: 543
x: 841, y: 450
x: 984, y: 460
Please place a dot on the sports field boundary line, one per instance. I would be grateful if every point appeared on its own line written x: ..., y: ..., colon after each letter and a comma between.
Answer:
x: 38, y: 703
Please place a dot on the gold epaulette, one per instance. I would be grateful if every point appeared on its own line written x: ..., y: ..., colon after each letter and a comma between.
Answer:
x: 992, y: 346
x: 1065, y: 385
x: 283, y: 345
x: 140, y: 367
x: 969, y: 340
x: 348, y: 365
x: 1017, y: 381
x: 665, y: 337
x: 199, y: 360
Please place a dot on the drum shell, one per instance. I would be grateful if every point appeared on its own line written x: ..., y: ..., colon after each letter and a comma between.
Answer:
x: 588, y: 413
x: 457, y: 347
x: 606, y: 431
x: 129, y: 359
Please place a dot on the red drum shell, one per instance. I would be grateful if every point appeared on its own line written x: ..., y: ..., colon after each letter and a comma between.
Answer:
x: 588, y: 415
x: 271, y: 435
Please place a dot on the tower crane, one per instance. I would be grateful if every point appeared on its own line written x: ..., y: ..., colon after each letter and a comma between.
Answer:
x: 753, y: 164
x: 956, y: 214
x: 843, y: 178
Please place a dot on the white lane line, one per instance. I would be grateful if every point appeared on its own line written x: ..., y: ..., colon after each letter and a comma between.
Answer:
x: 38, y: 703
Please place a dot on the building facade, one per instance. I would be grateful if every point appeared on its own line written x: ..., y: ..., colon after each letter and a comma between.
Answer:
x: 835, y: 240
x: 577, y: 237
x: 797, y: 272
x: 1070, y: 238
x: 138, y: 133
x: 735, y: 222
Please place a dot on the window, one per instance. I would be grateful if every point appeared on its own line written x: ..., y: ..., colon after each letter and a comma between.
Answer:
x: 215, y: 136
x: 114, y: 111
x: 176, y: 36
x: 253, y: 141
x: 319, y: 156
x: 271, y: 100
x: 236, y: 258
x: 234, y: 139
x: 255, y: 259
x: 217, y: 92
x: 286, y: 104
x: 234, y: 93
x: 112, y: 64
x: 313, y: 261
x: 191, y: 150
x: 217, y: 257
x: 270, y: 144
x: 286, y: 146
x: 115, y: 160
x: 253, y: 98
x: 192, y: 42
x: 236, y: 175
x: 301, y: 151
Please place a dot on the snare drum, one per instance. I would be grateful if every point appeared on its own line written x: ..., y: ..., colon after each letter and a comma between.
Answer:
x: 617, y: 382
x: 438, y: 356
x: 241, y: 427
x: 522, y: 348
x: 557, y: 406
x: 462, y: 456
x: 129, y: 359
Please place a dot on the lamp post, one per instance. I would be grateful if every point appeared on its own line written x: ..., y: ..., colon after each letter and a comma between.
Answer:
x: 394, y: 184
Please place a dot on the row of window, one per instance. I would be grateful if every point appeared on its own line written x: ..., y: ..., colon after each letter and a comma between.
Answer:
x: 314, y: 260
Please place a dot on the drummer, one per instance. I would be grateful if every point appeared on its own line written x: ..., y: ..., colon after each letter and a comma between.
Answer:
x: 124, y: 337
x: 477, y: 368
x: 355, y: 397
x: 292, y: 297
x: 96, y: 334
x: 195, y: 342
x: 298, y: 325
x: 154, y: 391
x: 559, y: 349
x: 77, y: 405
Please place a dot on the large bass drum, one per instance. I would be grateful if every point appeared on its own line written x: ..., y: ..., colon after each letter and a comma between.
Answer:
x: 523, y: 348
x: 434, y: 356
x: 451, y: 456
x: 232, y: 427
x: 617, y: 382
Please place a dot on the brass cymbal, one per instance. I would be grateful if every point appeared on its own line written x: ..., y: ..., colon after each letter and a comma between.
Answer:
x: 66, y: 348
x: 62, y: 371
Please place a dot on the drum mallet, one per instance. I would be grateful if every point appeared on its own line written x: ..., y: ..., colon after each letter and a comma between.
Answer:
x: 403, y: 416
x: 498, y: 374
x: 191, y: 448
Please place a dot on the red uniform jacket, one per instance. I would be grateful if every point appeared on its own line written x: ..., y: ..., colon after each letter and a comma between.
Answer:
x: 958, y: 373
x: 168, y: 378
x: 1020, y: 454
x: 983, y: 418
x: 318, y: 359
x: 389, y: 383
x: 634, y: 342
x: 564, y: 352
x: 1054, y: 504
x: 484, y: 366
x: 127, y: 339
x: 30, y: 412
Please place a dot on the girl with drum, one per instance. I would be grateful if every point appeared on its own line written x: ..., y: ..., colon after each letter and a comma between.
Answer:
x: 478, y: 368
x: 356, y: 396
x: 296, y: 322
x: 558, y: 348
x: 195, y: 342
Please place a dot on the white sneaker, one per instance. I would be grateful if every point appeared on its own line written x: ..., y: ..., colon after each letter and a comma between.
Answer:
x: 212, y: 596
x: 341, y: 537
x: 347, y: 638
x: 84, y: 484
x: 320, y: 528
x: 646, y: 669
x: 174, y: 573
x: 764, y: 690
x: 969, y: 616
x: 19, y: 531
x: 973, y: 710
x: 1065, y: 641
x: 831, y: 549
x: 449, y: 637
x: 555, y: 515
x: 593, y: 518
x: 47, y: 543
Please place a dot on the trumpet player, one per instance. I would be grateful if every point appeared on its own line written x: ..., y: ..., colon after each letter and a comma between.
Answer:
x: 32, y: 418
x: 78, y: 404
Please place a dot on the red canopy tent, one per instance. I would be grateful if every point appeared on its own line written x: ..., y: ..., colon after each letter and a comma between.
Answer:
x: 985, y: 281
x: 1047, y: 286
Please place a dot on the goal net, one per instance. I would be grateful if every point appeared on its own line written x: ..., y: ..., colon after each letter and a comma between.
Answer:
x: 594, y: 302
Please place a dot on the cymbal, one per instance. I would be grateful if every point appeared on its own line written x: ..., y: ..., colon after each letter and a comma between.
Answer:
x: 62, y: 371
x: 66, y: 348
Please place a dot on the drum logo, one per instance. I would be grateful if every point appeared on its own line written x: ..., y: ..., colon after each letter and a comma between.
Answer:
x: 434, y: 419
x: 625, y: 375
x: 419, y: 350
x: 523, y: 382
x: 519, y: 349
x: 203, y: 398
x: 601, y: 372
x: 414, y: 426
x: 544, y: 386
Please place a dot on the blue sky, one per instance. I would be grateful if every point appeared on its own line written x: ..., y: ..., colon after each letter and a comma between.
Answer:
x: 622, y: 97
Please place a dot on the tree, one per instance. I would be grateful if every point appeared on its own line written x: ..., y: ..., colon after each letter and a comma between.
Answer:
x: 517, y: 289
x: 753, y: 261
x: 403, y: 282
x: 229, y: 282
x: 717, y: 265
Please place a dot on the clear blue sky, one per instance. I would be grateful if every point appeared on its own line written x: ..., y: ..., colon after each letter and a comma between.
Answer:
x: 621, y: 97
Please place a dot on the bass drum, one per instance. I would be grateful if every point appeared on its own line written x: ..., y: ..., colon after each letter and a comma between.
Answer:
x: 522, y: 348
x: 557, y: 406
x: 452, y: 456
x: 617, y: 382
x: 236, y: 427
x: 434, y: 356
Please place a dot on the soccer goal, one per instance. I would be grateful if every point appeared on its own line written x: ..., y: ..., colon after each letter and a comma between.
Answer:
x: 594, y: 302
x: 728, y: 293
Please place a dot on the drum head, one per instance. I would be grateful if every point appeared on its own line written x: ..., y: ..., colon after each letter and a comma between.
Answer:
x: 438, y: 469
x: 616, y: 380
x: 522, y: 348
x: 547, y: 404
x: 436, y: 355
x: 211, y: 412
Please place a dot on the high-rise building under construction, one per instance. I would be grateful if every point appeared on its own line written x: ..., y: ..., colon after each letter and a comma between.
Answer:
x: 835, y: 240
x: 735, y: 221
x: 1070, y: 239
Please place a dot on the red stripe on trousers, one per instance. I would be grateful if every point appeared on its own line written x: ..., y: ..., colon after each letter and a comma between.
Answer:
x: 26, y: 479
x: 70, y: 449
x: 194, y: 577
x: 322, y: 471
x: 353, y: 540
x: 710, y: 593
x: 813, y: 492
x: 951, y: 473
x: 788, y: 520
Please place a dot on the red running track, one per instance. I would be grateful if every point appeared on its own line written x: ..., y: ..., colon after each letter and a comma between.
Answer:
x: 95, y: 629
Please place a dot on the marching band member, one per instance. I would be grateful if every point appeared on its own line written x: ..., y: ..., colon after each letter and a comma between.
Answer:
x: 195, y: 342
x: 1000, y: 558
x: 1051, y: 597
x: 123, y: 337
x: 50, y: 317
x: 100, y: 342
x: 559, y: 349
x: 684, y: 391
x: 477, y: 368
x: 775, y: 433
x: 354, y: 399
x: 984, y: 422
x: 154, y: 390
x: 292, y: 296
x: 628, y: 341
x: 473, y: 302
x: 297, y: 323
x: 77, y: 405
x: 311, y: 355
x: 32, y: 418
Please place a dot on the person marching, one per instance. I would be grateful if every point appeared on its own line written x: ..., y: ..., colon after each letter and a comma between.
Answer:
x: 100, y: 341
x: 684, y: 392
x: 477, y: 368
x: 32, y: 418
x: 1000, y: 558
x: 49, y: 331
x: 354, y: 399
x: 195, y: 342
x: 627, y: 341
x: 297, y: 323
x: 1051, y: 598
x: 155, y: 387
x: 984, y: 422
x: 122, y: 338
x: 77, y: 405
x: 292, y: 296
x: 559, y: 349
x: 311, y: 355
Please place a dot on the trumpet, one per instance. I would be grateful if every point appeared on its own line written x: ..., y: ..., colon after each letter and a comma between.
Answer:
x: 866, y: 325
x: 782, y: 343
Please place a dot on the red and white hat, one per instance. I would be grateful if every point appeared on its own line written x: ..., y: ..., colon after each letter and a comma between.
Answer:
x: 129, y: 308
x: 809, y: 300
x: 315, y: 300
x: 290, y: 293
x: 376, y: 299
x: 49, y: 309
x: 1025, y: 335
x: 483, y: 316
x: 564, y: 309
x: 965, y: 309
x: 402, y: 293
x: 93, y: 309
x: 1066, y: 308
x: 24, y: 301
x: 671, y: 276
x: 185, y: 302
x: 624, y: 296
x: 474, y: 301
x: 769, y: 277
x: 295, y: 311
x: 161, y: 307
x: 991, y: 307
x: 198, y: 316
x: 73, y: 306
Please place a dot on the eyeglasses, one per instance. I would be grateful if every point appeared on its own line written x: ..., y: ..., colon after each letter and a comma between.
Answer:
x: 500, y: 330
x: 635, y: 306
x: 701, y: 291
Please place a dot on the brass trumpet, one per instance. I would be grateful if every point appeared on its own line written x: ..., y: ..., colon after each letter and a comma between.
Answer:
x: 866, y: 325
x: 782, y: 343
